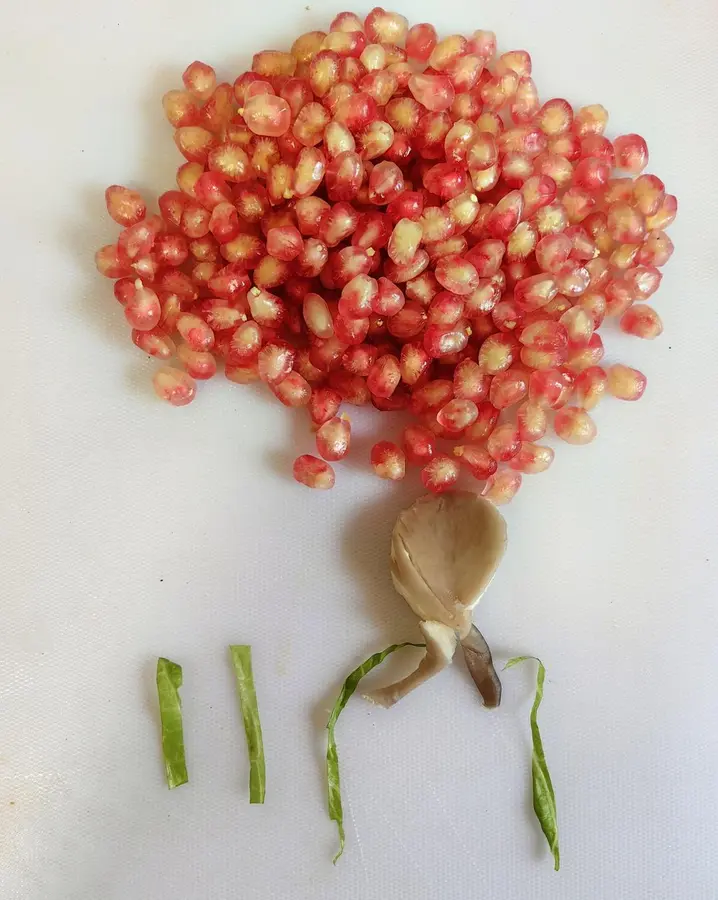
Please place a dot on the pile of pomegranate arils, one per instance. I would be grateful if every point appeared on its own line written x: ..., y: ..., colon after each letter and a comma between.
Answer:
x: 379, y: 216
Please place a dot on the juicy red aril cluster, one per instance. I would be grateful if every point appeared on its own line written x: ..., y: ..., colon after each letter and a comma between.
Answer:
x: 380, y: 216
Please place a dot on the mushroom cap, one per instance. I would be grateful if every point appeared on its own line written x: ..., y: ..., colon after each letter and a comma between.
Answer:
x: 445, y: 550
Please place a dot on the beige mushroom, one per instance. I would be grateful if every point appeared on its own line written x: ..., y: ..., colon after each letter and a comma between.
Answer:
x: 445, y: 550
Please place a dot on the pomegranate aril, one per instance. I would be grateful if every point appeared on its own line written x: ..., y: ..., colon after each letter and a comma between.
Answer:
x: 470, y: 382
x: 641, y: 321
x: 284, y: 243
x: 317, y: 316
x: 420, y: 41
x: 485, y: 422
x: 665, y: 215
x: 583, y: 355
x: 502, y: 487
x: 445, y: 310
x: 388, y: 461
x: 275, y: 362
x: 125, y: 206
x: 180, y: 108
x: 154, y: 343
x: 555, y: 117
x: 414, y: 361
x: 457, y: 415
x: 384, y: 376
x: 440, y: 473
x: 441, y: 341
x: 324, y: 404
x: 531, y: 421
x: 358, y: 296
x: 504, y: 443
x: 409, y: 271
x: 333, y: 438
x: 359, y: 359
x: 535, y: 291
x: 631, y: 153
x: 178, y: 388
x: 625, y: 383
x: 551, y: 219
x: 497, y: 353
x: 574, y: 425
x: 590, y: 386
x: 110, y: 264
x: 351, y: 331
x: 199, y: 363
x: 625, y: 224
x: 457, y: 275
x: 337, y: 224
x: 313, y: 472
x: 434, y: 92
x: 404, y: 241
x: 508, y: 388
x: 532, y: 458
x: 477, y: 460
x: 142, y: 309
x: 590, y: 120
x: 376, y: 139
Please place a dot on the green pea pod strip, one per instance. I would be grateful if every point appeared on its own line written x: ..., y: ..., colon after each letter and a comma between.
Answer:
x: 336, y: 813
x: 169, y: 681
x: 544, y: 799
x: 242, y: 662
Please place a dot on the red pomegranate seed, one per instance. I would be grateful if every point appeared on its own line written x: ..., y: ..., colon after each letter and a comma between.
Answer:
x: 532, y: 458
x: 142, y: 309
x: 641, y: 321
x: 440, y: 473
x: 485, y: 422
x: 504, y: 443
x: 477, y: 460
x: 275, y: 362
x: 175, y: 386
x: 457, y: 415
x: 502, y: 487
x: 333, y: 438
x: 574, y: 425
x: 199, y: 364
x: 509, y: 387
x: 419, y: 444
x: 441, y: 341
x: 625, y: 383
x: 531, y: 421
x: 590, y: 386
x: 154, y: 343
x: 388, y: 461
x: 125, y: 206
x: 313, y: 472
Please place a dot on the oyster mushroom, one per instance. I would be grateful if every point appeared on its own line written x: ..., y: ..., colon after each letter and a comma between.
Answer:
x: 445, y: 550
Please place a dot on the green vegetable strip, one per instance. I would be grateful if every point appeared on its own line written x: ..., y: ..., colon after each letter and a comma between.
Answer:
x: 336, y: 813
x: 544, y: 799
x: 242, y: 662
x: 169, y: 681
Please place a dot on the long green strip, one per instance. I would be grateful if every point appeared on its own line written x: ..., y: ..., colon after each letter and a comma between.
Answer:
x: 169, y: 681
x: 242, y: 662
x: 543, y: 796
x: 336, y: 813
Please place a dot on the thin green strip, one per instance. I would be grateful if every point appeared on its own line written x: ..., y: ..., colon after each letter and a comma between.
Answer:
x: 169, y: 681
x: 242, y: 662
x: 336, y: 812
x: 544, y: 799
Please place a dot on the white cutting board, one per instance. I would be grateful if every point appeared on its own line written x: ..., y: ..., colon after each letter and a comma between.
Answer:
x: 132, y: 530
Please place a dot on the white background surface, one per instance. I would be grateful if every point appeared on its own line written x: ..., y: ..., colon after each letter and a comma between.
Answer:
x: 131, y: 529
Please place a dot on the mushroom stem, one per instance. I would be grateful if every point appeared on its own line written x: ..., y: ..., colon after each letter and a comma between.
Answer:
x: 441, y: 643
